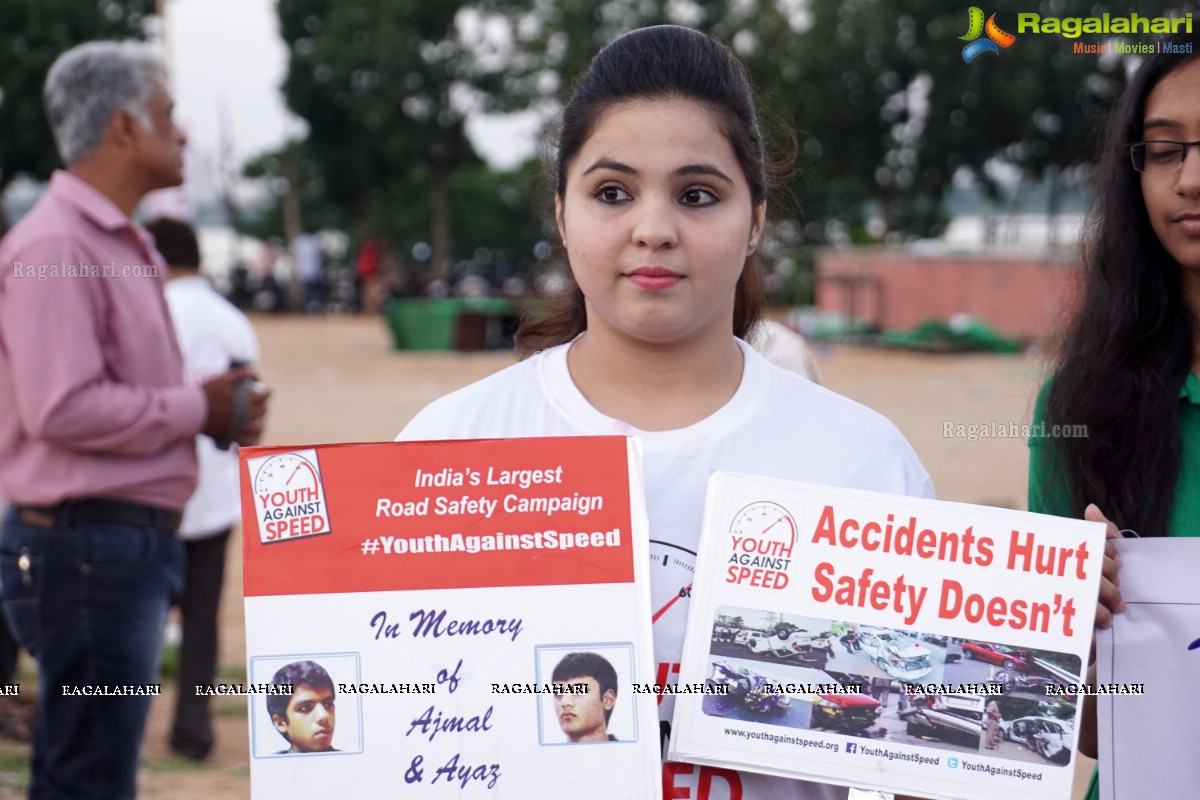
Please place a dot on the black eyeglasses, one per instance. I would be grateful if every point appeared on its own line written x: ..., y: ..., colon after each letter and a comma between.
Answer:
x: 1159, y: 156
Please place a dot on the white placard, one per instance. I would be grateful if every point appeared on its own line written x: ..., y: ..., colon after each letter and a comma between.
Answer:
x: 1148, y: 742
x: 865, y: 639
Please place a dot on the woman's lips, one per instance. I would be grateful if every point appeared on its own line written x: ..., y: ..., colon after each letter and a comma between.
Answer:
x: 1190, y: 223
x: 655, y: 279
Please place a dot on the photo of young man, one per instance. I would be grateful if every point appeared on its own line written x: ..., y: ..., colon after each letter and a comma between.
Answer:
x: 306, y: 718
x: 584, y: 717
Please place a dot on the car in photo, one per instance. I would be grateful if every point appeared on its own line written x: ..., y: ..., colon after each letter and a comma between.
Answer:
x: 1007, y: 657
x: 948, y: 717
x: 899, y: 656
x: 851, y: 713
x: 1048, y: 737
x: 796, y: 646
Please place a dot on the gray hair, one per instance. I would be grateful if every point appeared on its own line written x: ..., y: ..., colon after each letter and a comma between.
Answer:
x: 89, y: 83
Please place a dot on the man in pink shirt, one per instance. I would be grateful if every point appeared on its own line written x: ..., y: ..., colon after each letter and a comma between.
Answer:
x: 97, y: 448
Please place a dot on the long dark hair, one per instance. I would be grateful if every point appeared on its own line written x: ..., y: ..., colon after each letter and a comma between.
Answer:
x: 1128, y: 351
x: 664, y: 61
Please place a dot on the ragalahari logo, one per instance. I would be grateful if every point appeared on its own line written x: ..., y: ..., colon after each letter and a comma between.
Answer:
x: 995, y: 40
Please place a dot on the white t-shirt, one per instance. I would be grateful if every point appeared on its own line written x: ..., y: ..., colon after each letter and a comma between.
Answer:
x: 211, y: 332
x: 776, y: 424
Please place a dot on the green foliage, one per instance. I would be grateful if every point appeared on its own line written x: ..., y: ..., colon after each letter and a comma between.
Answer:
x: 490, y: 209
x: 297, y: 164
x: 886, y: 113
x: 502, y: 211
x: 385, y: 87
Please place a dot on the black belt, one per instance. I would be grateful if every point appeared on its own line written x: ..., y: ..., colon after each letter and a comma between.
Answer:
x: 99, y: 511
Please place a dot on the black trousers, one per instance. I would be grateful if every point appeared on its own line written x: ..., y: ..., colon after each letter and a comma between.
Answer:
x: 192, y: 731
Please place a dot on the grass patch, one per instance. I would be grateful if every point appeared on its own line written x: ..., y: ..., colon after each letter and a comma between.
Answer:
x: 230, y: 707
x: 169, y: 667
x: 14, y: 772
x: 231, y: 673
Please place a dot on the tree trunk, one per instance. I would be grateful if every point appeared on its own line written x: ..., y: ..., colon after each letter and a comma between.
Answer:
x: 439, y: 235
x: 293, y: 224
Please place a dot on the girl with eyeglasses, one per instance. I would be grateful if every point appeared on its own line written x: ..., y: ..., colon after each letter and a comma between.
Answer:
x: 1129, y: 363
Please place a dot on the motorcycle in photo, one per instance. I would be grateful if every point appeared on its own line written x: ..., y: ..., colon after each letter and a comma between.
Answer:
x: 1021, y: 682
x: 747, y: 689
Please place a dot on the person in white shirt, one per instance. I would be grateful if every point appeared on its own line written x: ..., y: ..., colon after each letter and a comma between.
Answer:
x: 213, y: 336
x: 660, y: 197
x: 785, y: 348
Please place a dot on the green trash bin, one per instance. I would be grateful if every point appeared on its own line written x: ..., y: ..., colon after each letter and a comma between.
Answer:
x: 424, y: 324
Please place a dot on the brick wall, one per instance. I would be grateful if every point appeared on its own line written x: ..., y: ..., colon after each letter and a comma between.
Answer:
x: 1019, y: 296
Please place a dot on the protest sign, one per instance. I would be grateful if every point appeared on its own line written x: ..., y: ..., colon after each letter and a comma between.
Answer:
x: 887, y: 642
x: 449, y: 619
x: 1147, y: 741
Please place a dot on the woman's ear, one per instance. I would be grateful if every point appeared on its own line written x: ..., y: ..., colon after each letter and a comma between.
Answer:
x: 558, y: 219
x: 757, y: 218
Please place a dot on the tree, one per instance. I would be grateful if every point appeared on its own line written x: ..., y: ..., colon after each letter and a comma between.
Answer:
x: 886, y: 112
x: 34, y: 33
x: 492, y: 212
x: 893, y: 113
x: 385, y: 87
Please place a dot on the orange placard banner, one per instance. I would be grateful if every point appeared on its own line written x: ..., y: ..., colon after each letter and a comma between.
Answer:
x: 435, y: 515
x: 438, y: 617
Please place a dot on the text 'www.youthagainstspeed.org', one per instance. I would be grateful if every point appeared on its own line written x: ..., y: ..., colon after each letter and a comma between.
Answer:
x: 777, y: 738
x: 459, y: 543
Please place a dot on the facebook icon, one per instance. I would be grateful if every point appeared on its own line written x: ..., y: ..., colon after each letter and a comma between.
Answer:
x: 952, y: 763
x: 851, y: 747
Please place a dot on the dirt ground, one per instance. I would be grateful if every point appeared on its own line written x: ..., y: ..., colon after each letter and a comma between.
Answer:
x: 336, y: 380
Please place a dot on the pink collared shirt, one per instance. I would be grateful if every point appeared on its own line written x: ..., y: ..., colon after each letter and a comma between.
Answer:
x: 92, y: 399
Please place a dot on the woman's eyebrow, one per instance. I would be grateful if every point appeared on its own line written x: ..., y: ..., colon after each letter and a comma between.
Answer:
x: 704, y: 169
x: 608, y: 163
x: 686, y: 169
x: 1160, y: 122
